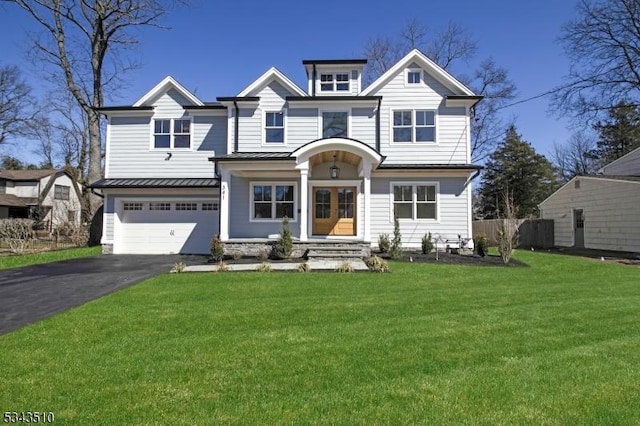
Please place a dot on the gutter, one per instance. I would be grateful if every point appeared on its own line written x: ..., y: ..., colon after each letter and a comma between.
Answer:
x: 475, y: 175
x: 378, y: 125
x: 236, y: 126
x: 313, y: 81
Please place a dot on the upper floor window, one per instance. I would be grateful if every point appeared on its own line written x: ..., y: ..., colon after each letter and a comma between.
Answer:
x: 414, y: 126
x: 334, y: 82
x: 335, y: 124
x: 61, y: 192
x: 414, y: 76
x: 274, y: 127
x: 174, y: 133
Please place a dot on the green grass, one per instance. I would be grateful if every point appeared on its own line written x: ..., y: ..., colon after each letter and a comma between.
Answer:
x: 554, y: 343
x: 15, y: 261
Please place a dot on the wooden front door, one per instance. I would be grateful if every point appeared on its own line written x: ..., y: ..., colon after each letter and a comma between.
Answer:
x: 334, y: 211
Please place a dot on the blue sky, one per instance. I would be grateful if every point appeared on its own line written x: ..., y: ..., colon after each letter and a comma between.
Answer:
x: 217, y: 48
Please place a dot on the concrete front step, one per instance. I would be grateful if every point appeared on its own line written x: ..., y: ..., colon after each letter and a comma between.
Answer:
x: 338, y: 251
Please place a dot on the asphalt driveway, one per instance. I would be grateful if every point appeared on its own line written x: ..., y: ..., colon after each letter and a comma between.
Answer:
x: 31, y: 293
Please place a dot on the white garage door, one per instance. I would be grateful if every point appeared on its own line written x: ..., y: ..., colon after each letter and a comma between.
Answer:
x: 167, y: 226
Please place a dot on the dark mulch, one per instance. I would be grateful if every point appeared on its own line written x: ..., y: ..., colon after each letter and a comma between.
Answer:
x: 454, y: 259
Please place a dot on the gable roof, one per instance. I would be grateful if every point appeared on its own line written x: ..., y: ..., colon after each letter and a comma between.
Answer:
x: 26, y: 175
x: 164, y: 86
x: 416, y: 56
x: 631, y: 179
x: 272, y: 74
x: 625, y: 157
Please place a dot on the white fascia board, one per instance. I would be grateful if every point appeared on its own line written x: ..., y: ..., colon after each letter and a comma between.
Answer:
x: 273, y: 74
x: 428, y: 65
x: 164, y: 85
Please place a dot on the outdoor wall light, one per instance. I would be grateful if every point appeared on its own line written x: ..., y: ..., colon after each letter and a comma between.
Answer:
x: 334, y: 170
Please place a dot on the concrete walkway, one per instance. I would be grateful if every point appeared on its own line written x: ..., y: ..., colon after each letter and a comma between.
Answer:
x: 317, y: 265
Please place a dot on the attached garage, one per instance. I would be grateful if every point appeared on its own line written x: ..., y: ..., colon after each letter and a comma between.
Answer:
x: 165, y: 226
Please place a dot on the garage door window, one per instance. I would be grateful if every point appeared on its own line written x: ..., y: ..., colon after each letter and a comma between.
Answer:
x: 160, y: 206
x: 186, y: 206
x: 132, y: 206
x: 210, y: 207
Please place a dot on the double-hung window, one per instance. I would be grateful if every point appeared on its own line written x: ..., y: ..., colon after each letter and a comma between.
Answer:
x: 272, y: 201
x: 274, y: 127
x: 415, y: 200
x: 414, y: 126
x: 414, y: 76
x: 61, y: 192
x: 334, y: 82
x: 172, y: 133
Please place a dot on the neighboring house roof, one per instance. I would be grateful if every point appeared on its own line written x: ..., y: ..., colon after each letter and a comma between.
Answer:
x: 272, y: 74
x: 416, y: 56
x: 10, y: 200
x: 618, y: 160
x: 156, y: 183
x: 165, y: 85
x: 26, y: 175
x: 633, y: 179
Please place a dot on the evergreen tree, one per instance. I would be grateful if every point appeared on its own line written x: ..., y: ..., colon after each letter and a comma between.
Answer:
x: 618, y: 135
x: 515, y: 168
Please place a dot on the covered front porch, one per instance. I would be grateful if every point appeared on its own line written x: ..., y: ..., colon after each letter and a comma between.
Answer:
x: 322, y: 187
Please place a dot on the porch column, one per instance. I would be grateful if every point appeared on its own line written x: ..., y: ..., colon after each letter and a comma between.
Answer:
x: 367, y: 202
x: 224, y: 204
x: 304, y: 202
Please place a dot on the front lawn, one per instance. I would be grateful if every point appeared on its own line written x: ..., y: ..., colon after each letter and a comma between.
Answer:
x: 14, y: 261
x: 553, y: 343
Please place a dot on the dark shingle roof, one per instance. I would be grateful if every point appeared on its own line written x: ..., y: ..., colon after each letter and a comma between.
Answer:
x: 156, y: 183
x: 26, y: 174
x: 240, y: 156
x: 10, y: 200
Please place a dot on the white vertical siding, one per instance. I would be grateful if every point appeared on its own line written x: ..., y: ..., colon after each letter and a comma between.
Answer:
x: 610, y: 209
x: 451, y: 123
x: 453, y: 211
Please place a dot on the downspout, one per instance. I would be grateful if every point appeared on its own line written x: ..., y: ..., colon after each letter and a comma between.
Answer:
x: 378, y: 125
x: 236, y: 126
x: 313, y: 81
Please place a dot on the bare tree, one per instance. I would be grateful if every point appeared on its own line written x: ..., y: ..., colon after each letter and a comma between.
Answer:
x: 88, y: 43
x: 16, y: 104
x: 575, y: 156
x: 603, y: 46
x: 448, y: 48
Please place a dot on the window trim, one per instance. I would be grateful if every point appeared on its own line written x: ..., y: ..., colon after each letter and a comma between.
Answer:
x: 408, y: 71
x: 285, y: 122
x: 414, y: 200
x: 172, y: 133
x: 413, y: 126
x: 321, y: 120
x: 55, y: 191
x: 273, y: 185
x: 334, y: 82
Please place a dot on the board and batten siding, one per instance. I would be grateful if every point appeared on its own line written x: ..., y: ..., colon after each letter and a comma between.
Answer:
x: 240, y: 225
x: 628, y: 165
x: 610, y: 209
x: 453, y: 209
x: 451, y: 122
x: 130, y: 140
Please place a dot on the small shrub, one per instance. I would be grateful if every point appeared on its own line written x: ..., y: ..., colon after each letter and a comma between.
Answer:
x: 396, y: 243
x: 506, y: 241
x: 17, y: 234
x: 217, y: 249
x: 178, y: 267
x: 303, y: 267
x: 223, y: 267
x: 284, y: 246
x: 237, y: 255
x: 344, y: 267
x: 376, y: 264
x: 384, y: 243
x: 481, y: 244
x: 263, y: 254
x: 427, y: 243
x: 264, y: 267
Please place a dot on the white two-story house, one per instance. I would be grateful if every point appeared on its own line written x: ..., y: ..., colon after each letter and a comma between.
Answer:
x: 338, y: 160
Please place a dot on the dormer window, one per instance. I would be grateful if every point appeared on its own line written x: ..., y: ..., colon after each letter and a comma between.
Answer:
x: 414, y: 76
x: 168, y: 134
x: 334, y: 82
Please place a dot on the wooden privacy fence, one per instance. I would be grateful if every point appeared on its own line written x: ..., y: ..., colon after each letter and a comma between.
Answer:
x: 536, y: 233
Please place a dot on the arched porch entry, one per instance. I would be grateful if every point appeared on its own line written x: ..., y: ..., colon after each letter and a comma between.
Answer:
x: 335, y: 184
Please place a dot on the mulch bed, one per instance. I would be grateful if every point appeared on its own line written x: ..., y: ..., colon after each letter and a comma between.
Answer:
x: 454, y: 259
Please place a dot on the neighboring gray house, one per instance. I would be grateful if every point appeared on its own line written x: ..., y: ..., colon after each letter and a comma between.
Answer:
x: 52, y: 196
x: 600, y: 211
x: 337, y: 160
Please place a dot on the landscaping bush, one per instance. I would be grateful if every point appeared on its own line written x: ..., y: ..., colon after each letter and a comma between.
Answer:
x: 427, y: 243
x: 264, y: 267
x: 303, y: 267
x: 217, y: 249
x: 178, y: 267
x: 77, y: 234
x: 236, y: 255
x: 223, y: 267
x: 383, y: 243
x: 344, y: 267
x: 506, y: 241
x: 396, y: 243
x: 377, y: 264
x: 17, y: 233
x: 481, y: 244
x: 263, y: 254
x: 284, y: 246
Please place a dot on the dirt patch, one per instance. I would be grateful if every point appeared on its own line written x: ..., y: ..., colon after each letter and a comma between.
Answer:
x: 454, y: 259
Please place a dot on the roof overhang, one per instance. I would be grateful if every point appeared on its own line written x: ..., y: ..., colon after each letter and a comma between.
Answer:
x: 247, y: 101
x: 155, y: 183
x: 164, y: 86
x: 272, y: 74
x: 323, y: 100
x: 461, y: 100
x: 113, y: 111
